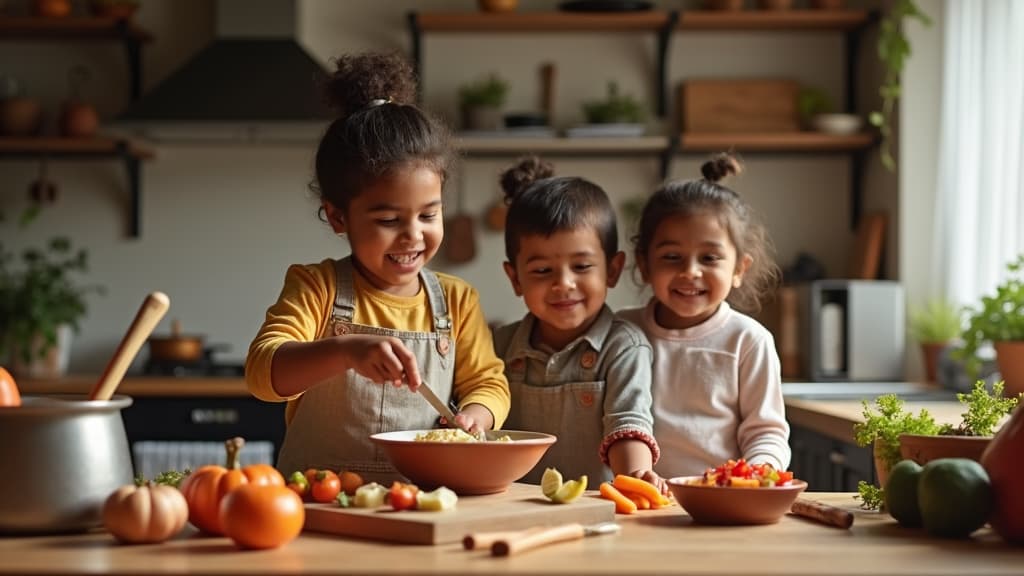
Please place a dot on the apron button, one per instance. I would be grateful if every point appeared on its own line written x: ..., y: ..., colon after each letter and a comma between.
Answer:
x: 589, y: 359
x: 443, y: 345
x: 587, y: 399
x: 340, y: 329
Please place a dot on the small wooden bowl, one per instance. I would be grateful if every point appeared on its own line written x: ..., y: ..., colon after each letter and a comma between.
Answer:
x: 734, y: 506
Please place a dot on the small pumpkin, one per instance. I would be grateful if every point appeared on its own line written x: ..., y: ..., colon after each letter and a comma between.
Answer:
x: 145, y: 514
x: 9, y: 395
x: 259, y: 517
x: 206, y: 487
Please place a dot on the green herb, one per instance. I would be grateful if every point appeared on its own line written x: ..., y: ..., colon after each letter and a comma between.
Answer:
x: 614, y: 108
x: 488, y: 92
x: 888, y: 423
x: 168, y: 478
x: 937, y: 321
x: 812, y: 101
x: 984, y: 410
x: 871, y: 497
x: 999, y: 318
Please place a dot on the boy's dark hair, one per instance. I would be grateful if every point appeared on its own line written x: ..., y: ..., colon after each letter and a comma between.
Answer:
x: 542, y: 204
x: 379, y: 128
x: 706, y: 195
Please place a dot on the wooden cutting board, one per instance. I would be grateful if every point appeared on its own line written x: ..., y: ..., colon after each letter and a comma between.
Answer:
x: 521, y: 506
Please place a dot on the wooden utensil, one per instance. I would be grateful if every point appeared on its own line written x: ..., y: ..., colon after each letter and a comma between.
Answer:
x: 824, y: 513
x: 152, y: 310
x: 460, y: 245
x: 535, y: 538
x: 547, y: 82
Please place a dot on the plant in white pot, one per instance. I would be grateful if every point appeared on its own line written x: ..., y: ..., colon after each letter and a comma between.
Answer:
x: 41, y: 303
x: 999, y: 321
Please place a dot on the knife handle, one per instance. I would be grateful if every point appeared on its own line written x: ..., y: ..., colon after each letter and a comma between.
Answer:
x: 481, y: 540
x: 823, y: 513
x: 536, y: 538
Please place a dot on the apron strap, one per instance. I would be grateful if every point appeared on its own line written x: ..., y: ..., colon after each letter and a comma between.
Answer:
x: 345, y: 296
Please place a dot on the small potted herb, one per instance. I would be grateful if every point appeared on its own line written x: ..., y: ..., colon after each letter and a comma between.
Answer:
x: 482, y: 103
x: 999, y: 320
x: 935, y: 326
x: 614, y: 109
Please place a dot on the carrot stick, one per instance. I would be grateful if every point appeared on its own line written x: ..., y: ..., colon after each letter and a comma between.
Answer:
x: 638, y: 486
x: 638, y: 499
x: 623, y: 505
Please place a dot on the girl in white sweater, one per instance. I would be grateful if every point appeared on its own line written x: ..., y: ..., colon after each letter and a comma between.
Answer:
x: 716, y: 386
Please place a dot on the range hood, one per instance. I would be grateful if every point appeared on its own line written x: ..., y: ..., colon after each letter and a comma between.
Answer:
x: 254, y: 82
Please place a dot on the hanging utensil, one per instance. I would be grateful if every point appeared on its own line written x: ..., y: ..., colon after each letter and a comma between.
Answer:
x: 460, y: 246
x: 152, y: 310
x: 507, y: 543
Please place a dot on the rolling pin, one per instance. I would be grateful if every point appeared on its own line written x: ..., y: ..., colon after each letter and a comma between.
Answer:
x: 824, y: 513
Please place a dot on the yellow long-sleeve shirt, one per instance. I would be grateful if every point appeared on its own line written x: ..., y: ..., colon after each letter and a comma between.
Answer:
x: 306, y: 305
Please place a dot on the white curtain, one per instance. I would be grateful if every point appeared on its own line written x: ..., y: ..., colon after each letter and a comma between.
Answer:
x: 980, y: 197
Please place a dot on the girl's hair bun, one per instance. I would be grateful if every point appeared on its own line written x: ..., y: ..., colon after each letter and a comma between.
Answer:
x: 518, y: 178
x: 720, y: 166
x: 362, y: 78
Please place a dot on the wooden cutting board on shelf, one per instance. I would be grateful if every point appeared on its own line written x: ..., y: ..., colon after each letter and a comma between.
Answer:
x: 521, y: 506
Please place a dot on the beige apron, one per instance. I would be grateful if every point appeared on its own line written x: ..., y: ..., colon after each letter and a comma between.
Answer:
x: 335, y: 418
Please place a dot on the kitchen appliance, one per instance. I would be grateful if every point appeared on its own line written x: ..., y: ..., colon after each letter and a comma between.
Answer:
x: 521, y: 506
x: 853, y: 330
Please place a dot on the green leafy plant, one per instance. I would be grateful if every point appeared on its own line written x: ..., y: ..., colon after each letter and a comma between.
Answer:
x: 937, y: 321
x: 39, y: 293
x: 888, y: 423
x: 491, y: 91
x: 871, y: 497
x: 984, y: 410
x: 893, y: 51
x: 812, y: 101
x: 615, y: 108
x: 999, y: 317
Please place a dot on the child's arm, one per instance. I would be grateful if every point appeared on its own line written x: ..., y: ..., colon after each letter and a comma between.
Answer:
x: 763, y: 433
x: 298, y: 365
x: 633, y: 458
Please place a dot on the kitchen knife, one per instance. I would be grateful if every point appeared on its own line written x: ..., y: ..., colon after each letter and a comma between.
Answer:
x: 444, y: 410
x: 537, y: 537
x: 824, y: 513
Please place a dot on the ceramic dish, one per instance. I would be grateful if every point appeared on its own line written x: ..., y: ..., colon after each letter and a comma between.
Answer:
x: 725, y: 505
x: 841, y: 124
x: 465, y: 467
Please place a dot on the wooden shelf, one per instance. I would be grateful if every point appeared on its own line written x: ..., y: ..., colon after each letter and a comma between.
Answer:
x: 497, y: 146
x: 541, y: 21
x: 72, y: 28
x: 812, y: 142
x: 787, y: 20
x: 130, y: 152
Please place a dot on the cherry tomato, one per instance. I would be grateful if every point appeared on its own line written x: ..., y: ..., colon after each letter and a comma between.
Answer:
x: 350, y: 481
x: 325, y: 486
x: 298, y: 483
x: 402, y: 496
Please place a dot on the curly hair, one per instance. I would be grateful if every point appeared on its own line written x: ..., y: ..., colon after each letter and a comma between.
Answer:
x: 706, y: 195
x: 543, y: 204
x: 379, y: 128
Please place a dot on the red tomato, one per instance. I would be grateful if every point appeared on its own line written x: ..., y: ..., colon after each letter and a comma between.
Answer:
x: 402, y: 496
x: 325, y: 486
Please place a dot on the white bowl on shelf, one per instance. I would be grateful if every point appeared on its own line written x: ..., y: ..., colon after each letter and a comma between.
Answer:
x: 840, y: 124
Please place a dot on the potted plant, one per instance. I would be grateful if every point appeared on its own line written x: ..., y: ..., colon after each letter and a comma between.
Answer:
x: 614, y: 109
x: 41, y: 303
x: 935, y: 325
x: 999, y: 320
x: 893, y: 50
x: 482, y: 103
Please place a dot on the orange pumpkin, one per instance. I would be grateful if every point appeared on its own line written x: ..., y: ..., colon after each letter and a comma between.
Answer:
x: 145, y: 514
x: 206, y: 487
x: 9, y: 395
x: 260, y: 517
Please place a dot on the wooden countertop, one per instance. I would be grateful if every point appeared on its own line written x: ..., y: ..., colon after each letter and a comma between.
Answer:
x: 835, y: 418
x: 168, y: 386
x: 651, y: 542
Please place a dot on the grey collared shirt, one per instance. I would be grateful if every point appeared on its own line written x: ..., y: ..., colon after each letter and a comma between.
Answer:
x: 591, y: 393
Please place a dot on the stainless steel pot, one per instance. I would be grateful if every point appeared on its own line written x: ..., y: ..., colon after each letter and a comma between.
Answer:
x: 62, y: 455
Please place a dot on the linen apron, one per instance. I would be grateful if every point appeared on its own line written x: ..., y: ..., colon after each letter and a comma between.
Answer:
x: 572, y: 410
x: 335, y: 418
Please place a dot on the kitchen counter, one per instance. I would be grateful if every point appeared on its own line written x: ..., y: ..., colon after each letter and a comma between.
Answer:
x: 163, y: 386
x: 651, y: 542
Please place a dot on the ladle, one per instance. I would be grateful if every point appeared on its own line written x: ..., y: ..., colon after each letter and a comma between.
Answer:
x: 151, y: 311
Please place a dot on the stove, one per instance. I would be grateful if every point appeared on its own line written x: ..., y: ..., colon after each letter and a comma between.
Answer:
x: 206, y: 366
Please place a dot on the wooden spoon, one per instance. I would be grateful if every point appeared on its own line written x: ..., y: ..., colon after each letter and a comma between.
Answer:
x: 151, y: 311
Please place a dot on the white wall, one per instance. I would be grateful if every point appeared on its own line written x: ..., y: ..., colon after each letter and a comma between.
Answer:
x: 220, y: 223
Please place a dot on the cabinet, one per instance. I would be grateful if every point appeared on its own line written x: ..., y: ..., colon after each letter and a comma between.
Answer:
x: 827, y: 464
x: 664, y: 25
x: 129, y: 152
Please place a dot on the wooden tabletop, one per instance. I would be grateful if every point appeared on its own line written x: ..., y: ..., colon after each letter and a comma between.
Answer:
x: 663, y: 541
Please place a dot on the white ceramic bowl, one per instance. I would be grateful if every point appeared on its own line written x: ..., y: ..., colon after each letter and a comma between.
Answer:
x: 841, y: 124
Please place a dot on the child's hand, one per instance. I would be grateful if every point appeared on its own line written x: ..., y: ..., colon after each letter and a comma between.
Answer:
x: 652, y: 477
x: 474, y: 418
x: 382, y: 359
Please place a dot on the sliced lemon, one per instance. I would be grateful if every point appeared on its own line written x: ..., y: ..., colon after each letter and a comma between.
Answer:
x: 550, y: 482
x: 571, y: 490
x: 441, y: 499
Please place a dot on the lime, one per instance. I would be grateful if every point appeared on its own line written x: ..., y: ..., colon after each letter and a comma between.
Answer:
x: 571, y: 490
x: 550, y: 482
x: 901, y: 493
x: 955, y: 497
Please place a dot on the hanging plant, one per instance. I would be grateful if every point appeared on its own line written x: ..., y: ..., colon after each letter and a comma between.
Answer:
x: 893, y: 51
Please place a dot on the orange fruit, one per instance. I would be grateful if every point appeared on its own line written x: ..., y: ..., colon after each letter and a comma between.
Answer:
x: 350, y: 481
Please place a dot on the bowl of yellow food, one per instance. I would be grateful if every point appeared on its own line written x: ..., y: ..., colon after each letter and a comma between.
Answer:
x: 737, y: 493
x: 452, y: 458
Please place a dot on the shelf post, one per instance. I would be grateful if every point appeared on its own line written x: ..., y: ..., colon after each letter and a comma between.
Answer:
x: 857, y: 162
x: 132, y: 168
x: 133, y: 51
x: 667, y: 154
x: 664, y: 38
x: 416, y: 35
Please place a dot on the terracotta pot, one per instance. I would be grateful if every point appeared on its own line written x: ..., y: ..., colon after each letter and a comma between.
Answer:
x: 932, y: 351
x: 20, y: 116
x: 923, y: 449
x: 78, y: 120
x: 1010, y: 358
x: 498, y: 5
x: 177, y: 347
